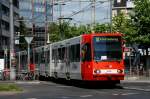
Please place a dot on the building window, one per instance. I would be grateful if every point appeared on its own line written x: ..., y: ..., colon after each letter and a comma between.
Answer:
x: 118, y: 1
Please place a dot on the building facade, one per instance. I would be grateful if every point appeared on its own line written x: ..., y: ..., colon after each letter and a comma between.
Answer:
x: 36, y: 13
x: 5, y: 24
x: 122, y: 6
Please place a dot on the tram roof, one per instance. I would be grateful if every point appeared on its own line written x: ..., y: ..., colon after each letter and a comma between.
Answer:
x: 104, y: 34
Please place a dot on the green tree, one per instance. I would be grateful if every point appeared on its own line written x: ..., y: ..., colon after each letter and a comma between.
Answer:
x: 65, y: 30
x: 53, y: 31
x: 83, y: 29
x: 123, y: 24
x: 141, y: 20
x: 101, y: 28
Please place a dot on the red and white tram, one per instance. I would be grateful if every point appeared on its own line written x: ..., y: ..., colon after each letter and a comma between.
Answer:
x: 88, y: 57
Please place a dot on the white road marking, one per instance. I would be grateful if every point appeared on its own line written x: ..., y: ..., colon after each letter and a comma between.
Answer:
x: 63, y: 86
x: 31, y: 98
x: 64, y: 97
x: 101, y: 92
x: 115, y: 94
x: 124, y: 94
x: 134, y: 88
x: 85, y: 96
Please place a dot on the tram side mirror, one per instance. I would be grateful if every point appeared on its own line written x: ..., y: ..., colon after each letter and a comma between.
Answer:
x: 83, y: 52
x: 123, y: 48
x: 123, y: 42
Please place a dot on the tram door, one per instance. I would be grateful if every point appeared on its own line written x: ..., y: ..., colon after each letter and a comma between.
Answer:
x: 67, y: 61
x: 55, y: 56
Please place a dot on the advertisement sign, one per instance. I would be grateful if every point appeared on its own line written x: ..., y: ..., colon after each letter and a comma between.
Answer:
x: 1, y: 64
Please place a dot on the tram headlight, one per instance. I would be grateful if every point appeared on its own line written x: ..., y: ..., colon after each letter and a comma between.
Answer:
x: 97, y: 71
x: 120, y: 71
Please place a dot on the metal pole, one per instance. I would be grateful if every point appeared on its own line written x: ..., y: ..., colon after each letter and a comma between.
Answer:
x: 52, y: 10
x: 28, y: 57
x: 111, y: 15
x: 93, y: 16
x: 32, y: 17
x: 11, y: 40
x: 33, y: 28
x: 6, y: 58
x: 19, y: 67
x: 45, y: 6
x: 130, y: 64
x: 60, y: 22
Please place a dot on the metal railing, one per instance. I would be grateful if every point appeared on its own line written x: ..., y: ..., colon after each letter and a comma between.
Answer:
x: 5, y: 75
x: 137, y: 74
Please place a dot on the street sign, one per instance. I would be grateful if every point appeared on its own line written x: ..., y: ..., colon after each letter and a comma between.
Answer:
x: 16, y: 41
x: 28, y: 39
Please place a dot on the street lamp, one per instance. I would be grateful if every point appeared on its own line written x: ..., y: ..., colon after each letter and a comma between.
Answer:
x: 28, y: 40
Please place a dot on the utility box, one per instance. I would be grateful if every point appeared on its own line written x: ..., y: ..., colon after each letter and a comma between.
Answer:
x: 1, y: 68
x: 1, y: 64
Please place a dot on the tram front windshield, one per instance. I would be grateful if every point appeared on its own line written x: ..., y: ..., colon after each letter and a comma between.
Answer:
x: 107, y: 48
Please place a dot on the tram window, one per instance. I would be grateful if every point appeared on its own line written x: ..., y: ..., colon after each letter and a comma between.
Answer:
x: 53, y: 54
x: 63, y: 53
x: 36, y: 57
x: 59, y: 54
x: 71, y: 50
x: 69, y: 54
x: 77, y: 54
x: 47, y: 56
x: 42, y: 57
x: 86, y: 52
x: 74, y: 53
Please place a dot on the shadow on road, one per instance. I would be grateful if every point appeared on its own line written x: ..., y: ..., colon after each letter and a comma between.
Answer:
x: 88, y: 84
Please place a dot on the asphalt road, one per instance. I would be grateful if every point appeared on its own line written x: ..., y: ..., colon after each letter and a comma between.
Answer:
x: 53, y: 90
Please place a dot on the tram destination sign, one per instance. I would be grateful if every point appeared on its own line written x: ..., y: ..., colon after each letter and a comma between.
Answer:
x: 99, y: 39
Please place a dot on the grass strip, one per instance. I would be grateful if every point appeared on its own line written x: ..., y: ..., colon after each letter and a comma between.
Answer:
x: 9, y: 87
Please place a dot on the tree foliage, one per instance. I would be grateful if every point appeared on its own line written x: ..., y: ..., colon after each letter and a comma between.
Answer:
x: 141, y: 21
x: 65, y: 30
x: 101, y: 28
x: 53, y: 30
x: 123, y: 24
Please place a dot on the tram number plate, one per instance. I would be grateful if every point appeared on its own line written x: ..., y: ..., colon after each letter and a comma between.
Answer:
x: 108, y: 71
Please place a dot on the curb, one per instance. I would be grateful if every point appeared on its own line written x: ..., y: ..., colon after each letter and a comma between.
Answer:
x: 27, y: 82
x: 135, y: 81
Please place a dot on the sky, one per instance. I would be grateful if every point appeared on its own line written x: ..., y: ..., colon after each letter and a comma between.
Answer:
x: 102, y: 11
x: 69, y: 7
